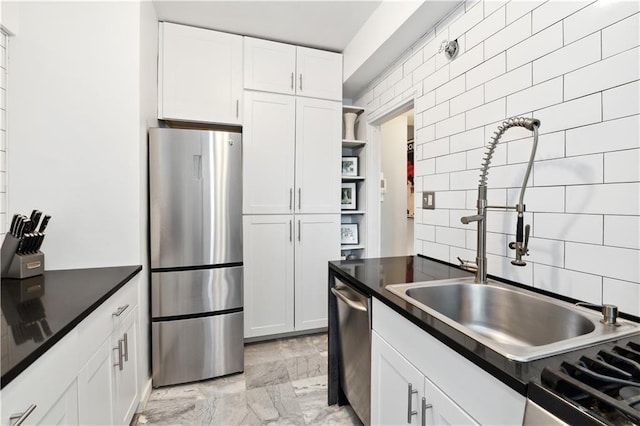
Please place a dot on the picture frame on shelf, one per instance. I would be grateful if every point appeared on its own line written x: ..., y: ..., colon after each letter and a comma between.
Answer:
x: 349, y: 166
x: 348, y: 196
x: 348, y: 233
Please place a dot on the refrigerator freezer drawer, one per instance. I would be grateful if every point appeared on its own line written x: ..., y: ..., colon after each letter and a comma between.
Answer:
x: 197, y: 348
x: 197, y: 291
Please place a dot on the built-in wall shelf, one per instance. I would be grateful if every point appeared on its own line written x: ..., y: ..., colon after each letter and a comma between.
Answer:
x: 352, y: 178
x: 351, y: 247
x: 353, y: 143
x: 352, y: 108
x: 349, y: 212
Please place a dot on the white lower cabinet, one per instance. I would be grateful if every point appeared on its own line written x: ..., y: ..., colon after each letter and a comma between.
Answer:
x: 285, y: 262
x: 402, y: 395
x: 65, y: 409
x: 418, y: 380
x: 126, y: 369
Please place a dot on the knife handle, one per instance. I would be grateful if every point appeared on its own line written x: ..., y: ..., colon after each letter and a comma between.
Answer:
x: 44, y: 223
x: 14, y: 224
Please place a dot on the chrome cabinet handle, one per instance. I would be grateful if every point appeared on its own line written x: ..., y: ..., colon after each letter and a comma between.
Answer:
x: 299, y: 231
x: 292, y: 80
x: 300, y: 81
x: 299, y: 198
x: 126, y: 347
x: 19, y: 418
x: 290, y: 199
x: 410, y: 411
x: 425, y: 407
x: 119, y: 348
x: 237, y: 108
x: 120, y: 310
x: 290, y: 230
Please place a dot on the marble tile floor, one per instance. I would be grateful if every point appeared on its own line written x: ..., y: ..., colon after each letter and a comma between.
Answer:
x: 284, y: 383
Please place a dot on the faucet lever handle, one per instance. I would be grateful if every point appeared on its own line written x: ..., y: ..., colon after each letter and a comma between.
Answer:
x: 527, y: 231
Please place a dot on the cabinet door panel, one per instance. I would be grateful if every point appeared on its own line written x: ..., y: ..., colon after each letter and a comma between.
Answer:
x: 95, y: 387
x: 269, y: 66
x: 318, y: 133
x: 65, y: 410
x: 317, y: 242
x: 200, y: 76
x: 126, y: 385
x: 319, y: 74
x: 268, y: 275
x: 269, y: 140
x: 391, y: 375
x: 443, y: 410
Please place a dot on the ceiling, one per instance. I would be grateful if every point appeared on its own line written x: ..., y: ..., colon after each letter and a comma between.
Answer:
x: 327, y: 25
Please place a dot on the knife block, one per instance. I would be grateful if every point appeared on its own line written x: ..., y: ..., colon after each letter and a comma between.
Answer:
x: 16, y: 265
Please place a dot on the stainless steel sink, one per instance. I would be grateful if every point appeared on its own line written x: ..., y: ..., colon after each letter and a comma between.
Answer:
x: 519, y: 324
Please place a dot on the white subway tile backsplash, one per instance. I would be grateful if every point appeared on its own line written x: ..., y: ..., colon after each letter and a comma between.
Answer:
x: 491, y: 6
x: 571, y: 57
x: 622, y: 231
x: 465, y: 22
x: 546, y: 252
x: 621, y: 36
x: 495, y: 197
x: 380, y: 88
x: 502, y: 267
x: 496, y: 243
x: 463, y: 180
x: 466, y: 101
x: 611, y: 262
x: 436, y: 148
x: 616, y: 70
x: 581, y: 170
x: 450, y: 126
x: 610, y: 135
x: 622, y: 166
x: 597, y: 16
x: 485, y: 114
x: 451, y: 199
x: 550, y: 146
x: 425, y: 232
x: 535, y: 46
x: 425, y: 101
x: 553, y: 11
x: 508, y: 83
x: 405, y: 85
x: 435, y: 250
x: 512, y: 34
x: 471, y: 58
x: 467, y: 140
x: 435, y: 183
x: 489, y: 26
x: 438, y: 217
x: 450, y: 236
x: 621, y: 101
x: 422, y: 167
x: 577, y: 285
x: 387, y: 96
x: 451, y: 162
x: 624, y: 294
x: 475, y: 157
x: 610, y: 198
x: 413, y: 62
x: 581, y: 228
x: 550, y: 199
x: 487, y: 70
x: 437, y: 79
x: 509, y: 176
x: 575, y: 113
x: 453, y: 88
x: 425, y: 70
x: 435, y: 114
x: 425, y: 134
x: 515, y: 9
x: 536, y: 97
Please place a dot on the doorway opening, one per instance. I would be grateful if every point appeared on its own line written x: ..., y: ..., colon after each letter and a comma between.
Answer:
x: 397, y: 184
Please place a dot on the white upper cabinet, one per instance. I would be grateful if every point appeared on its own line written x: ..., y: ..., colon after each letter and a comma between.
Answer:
x: 292, y: 70
x: 199, y: 75
x: 319, y: 73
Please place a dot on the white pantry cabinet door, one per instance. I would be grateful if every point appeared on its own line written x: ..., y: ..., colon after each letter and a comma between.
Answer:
x: 317, y: 242
x: 318, y: 153
x: 319, y: 74
x: 391, y: 376
x: 268, y: 153
x: 126, y: 384
x: 269, y: 66
x: 442, y: 410
x: 199, y: 75
x: 268, y: 274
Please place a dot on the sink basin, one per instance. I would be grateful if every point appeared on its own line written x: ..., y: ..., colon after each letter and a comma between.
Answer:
x: 519, y: 324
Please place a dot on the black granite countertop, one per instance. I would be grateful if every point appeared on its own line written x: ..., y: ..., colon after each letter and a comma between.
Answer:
x: 37, y: 312
x: 371, y: 276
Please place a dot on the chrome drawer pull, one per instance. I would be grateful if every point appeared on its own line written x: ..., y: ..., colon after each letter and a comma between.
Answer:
x: 120, y: 363
x: 425, y: 407
x: 21, y: 417
x: 410, y: 411
x: 126, y: 347
x: 120, y: 310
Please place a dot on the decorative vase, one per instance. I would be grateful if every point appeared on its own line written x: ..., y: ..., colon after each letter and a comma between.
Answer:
x: 350, y: 125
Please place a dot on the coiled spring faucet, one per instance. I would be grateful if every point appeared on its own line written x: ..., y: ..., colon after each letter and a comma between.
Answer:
x: 520, y: 245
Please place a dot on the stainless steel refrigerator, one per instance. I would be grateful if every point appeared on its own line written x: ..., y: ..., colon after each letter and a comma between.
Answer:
x: 195, y: 218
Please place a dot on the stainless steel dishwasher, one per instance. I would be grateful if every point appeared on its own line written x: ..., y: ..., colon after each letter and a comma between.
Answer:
x: 354, y: 333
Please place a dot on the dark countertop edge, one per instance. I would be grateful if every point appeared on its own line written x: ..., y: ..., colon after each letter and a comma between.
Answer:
x: 31, y: 358
x: 517, y: 385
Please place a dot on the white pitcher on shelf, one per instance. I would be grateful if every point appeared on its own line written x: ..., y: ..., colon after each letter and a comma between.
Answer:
x: 350, y: 124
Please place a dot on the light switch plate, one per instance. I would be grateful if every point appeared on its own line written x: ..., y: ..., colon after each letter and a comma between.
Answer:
x: 429, y: 200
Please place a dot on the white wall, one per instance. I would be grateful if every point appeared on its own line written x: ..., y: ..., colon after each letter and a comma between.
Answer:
x: 393, y: 207
x: 3, y: 135
x: 74, y: 147
x: 574, y: 65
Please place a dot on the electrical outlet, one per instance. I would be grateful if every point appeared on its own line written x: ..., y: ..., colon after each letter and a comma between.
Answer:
x: 428, y: 200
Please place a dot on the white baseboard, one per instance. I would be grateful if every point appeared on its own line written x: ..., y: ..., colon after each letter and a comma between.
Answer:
x: 144, y: 397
